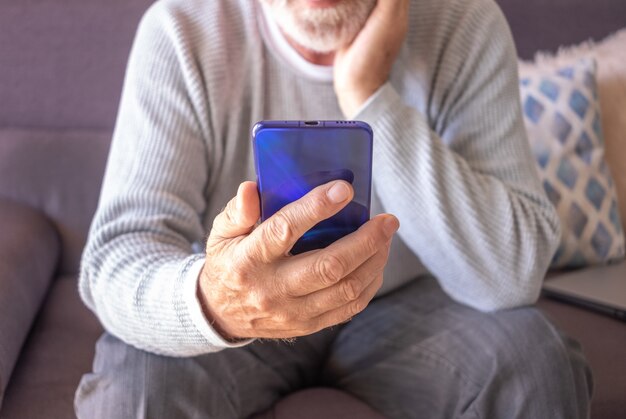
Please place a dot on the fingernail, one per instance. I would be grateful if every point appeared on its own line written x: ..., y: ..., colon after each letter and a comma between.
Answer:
x: 339, y: 192
x: 390, y: 226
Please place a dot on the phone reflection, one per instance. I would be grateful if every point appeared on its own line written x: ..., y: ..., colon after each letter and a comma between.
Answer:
x: 346, y: 221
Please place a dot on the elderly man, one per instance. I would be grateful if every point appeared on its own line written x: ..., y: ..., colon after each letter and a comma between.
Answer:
x: 224, y: 326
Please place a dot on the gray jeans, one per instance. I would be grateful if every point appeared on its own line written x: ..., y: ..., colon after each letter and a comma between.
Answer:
x: 413, y: 353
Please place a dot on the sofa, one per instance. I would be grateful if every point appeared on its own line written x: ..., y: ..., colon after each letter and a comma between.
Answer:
x: 61, y: 70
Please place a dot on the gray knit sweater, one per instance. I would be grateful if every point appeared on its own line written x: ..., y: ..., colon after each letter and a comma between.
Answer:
x: 451, y: 161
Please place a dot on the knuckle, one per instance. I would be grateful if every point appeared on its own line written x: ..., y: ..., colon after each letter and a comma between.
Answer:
x: 350, y: 290
x: 330, y: 268
x: 279, y: 229
x: 356, y: 307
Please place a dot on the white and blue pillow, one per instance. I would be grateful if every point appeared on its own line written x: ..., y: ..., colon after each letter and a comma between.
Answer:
x: 562, y: 117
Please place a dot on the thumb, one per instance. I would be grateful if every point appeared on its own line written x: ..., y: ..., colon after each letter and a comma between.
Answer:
x: 239, y: 216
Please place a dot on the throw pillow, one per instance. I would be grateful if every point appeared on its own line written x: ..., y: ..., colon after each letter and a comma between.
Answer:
x: 562, y: 116
x: 610, y: 55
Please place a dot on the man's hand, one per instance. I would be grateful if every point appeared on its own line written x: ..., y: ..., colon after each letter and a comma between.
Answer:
x: 250, y: 287
x: 364, y: 66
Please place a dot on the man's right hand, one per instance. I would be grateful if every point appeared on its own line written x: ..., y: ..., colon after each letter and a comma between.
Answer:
x: 250, y: 287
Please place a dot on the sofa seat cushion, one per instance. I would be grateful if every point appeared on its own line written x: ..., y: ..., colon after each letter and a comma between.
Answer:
x: 603, y: 339
x: 59, y: 350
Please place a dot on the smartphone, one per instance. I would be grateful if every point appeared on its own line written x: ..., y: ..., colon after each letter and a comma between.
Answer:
x: 294, y: 157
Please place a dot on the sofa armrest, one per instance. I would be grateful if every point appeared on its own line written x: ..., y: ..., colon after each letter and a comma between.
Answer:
x: 29, y: 250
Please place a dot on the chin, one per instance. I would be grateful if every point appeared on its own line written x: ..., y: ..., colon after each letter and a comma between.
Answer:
x: 321, y: 25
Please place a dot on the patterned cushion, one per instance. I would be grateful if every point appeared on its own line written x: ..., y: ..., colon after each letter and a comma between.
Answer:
x: 562, y: 117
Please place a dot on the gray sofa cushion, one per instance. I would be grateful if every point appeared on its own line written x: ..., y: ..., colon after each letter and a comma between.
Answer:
x: 58, y: 172
x: 28, y: 254
x: 59, y: 350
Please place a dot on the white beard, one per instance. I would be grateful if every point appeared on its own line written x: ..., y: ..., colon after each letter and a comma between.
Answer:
x: 324, y: 29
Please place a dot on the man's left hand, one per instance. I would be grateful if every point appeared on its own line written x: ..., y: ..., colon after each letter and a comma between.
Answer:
x: 364, y: 66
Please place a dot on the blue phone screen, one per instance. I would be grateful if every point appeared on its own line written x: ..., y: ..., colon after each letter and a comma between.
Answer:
x: 293, y: 157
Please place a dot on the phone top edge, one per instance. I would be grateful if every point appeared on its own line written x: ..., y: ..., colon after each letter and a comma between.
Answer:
x: 312, y: 124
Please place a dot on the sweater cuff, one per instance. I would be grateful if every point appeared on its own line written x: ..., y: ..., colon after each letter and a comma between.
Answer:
x: 384, y: 99
x: 391, y: 117
x: 196, y: 313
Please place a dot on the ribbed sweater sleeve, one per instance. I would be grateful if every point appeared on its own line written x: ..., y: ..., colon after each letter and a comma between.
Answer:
x: 139, y: 272
x: 464, y: 184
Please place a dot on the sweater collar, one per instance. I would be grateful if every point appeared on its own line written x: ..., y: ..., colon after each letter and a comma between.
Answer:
x: 279, y: 46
